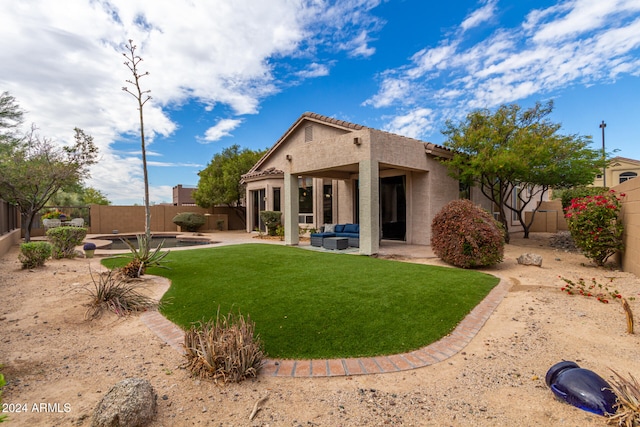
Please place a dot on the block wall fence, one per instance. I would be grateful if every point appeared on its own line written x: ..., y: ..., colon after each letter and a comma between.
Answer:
x: 130, y: 219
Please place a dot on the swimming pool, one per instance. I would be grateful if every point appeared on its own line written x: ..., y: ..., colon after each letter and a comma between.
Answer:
x: 117, y: 242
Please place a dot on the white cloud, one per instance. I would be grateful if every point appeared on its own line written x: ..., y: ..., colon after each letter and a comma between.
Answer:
x: 221, y: 129
x: 577, y: 42
x: 64, y: 64
x: 314, y: 70
x: 412, y: 124
x: 479, y: 16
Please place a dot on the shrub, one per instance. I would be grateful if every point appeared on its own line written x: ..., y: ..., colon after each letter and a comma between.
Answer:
x: 65, y: 240
x: 226, y: 348
x: 111, y: 293
x: 271, y: 220
x: 190, y: 221
x: 34, y: 254
x: 595, y: 225
x: 54, y: 214
x: 566, y: 196
x: 627, y: 404
x: 467, y: 236
x: 143, y: 256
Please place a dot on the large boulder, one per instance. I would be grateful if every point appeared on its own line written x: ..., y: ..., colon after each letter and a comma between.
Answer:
x: 530, y: 259
x: 131, y: 402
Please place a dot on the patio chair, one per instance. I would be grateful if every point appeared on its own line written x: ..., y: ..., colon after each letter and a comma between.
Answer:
x: 77, y: 222
x: 51, y: 223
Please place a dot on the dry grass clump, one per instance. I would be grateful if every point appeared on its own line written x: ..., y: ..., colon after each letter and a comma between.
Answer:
x: 628, y: 402
x: 224, y: 349
x: 113, y: 292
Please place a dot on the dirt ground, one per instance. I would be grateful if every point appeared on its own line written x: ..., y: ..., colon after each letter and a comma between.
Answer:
x: 51, y: 355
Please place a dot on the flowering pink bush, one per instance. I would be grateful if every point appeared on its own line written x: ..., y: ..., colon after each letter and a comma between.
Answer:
x: 595, y: 225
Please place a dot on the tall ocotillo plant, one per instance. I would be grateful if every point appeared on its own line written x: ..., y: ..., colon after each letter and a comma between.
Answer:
x: 141, y: 96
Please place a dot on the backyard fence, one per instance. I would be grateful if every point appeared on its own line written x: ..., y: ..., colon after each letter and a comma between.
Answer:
x: 8, y: 217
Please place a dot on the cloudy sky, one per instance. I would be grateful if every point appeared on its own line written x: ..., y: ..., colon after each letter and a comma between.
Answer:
x: 226, y: 72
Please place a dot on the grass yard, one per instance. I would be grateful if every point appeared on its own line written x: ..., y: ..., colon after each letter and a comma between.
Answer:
x: 309, y: 304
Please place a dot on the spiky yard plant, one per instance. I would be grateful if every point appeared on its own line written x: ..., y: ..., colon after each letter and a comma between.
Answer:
x: 628, y: 402
x: 143, y: 256
x: 110, y: 293
x: 225, y: 348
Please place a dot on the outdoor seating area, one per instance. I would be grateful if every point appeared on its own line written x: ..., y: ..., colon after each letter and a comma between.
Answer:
x: 337, y: 236
x: 54, y: 222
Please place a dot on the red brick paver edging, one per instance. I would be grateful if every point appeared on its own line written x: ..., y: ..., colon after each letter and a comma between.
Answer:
x: 429, y: 355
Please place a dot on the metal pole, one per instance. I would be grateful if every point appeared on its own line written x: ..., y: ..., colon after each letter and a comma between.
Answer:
x: 604, y: 156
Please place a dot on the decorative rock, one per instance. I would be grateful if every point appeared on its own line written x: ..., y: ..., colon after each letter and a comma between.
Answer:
x: 131, y: 402
x: 530, y: 259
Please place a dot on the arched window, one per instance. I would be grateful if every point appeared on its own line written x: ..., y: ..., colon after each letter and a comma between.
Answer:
x: 626, y: 176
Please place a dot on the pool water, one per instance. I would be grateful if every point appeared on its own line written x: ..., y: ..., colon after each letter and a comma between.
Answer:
x: 169, y: 242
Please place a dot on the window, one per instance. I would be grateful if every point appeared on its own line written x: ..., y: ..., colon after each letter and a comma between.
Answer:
x: 626, y: 176
x: 305, y: 194
x: 464, y: 190
x: 276, y: 199
x: 308, y: 133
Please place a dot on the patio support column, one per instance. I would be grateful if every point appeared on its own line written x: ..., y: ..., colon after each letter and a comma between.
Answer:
x: 369, y: 181
x: 291, y: 209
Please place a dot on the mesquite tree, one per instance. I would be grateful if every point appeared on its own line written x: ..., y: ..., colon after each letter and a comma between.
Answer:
x: 514, y: 156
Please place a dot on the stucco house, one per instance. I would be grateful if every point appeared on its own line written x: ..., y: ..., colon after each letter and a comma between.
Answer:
x: 328, y: 171
x: 618, y: 170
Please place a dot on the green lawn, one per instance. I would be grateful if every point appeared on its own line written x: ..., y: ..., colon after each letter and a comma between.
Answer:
x: 308, y: 304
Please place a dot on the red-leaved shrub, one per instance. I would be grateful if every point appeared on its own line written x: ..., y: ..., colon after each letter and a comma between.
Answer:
x: 467, y: 236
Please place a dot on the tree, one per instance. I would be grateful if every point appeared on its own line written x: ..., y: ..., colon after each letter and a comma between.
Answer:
x: 78, y: 195
x: 141, y: 96
x: 514, y: 156
x: 10, y: 116
x: 33, y: 169
x: 219, y: 182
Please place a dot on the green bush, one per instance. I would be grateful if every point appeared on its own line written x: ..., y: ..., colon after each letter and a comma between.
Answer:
x: 271, y: 219
x: 595, y: 225
x: 190, y: 221
x: 576, y: 193
x: 467, y: 236
x: 65, y: 240
x: 34, y: 254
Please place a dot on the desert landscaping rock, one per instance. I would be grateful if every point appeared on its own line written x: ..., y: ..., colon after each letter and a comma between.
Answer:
x: 130, y: 403
x: 530, y: 259
x: 495, y: 380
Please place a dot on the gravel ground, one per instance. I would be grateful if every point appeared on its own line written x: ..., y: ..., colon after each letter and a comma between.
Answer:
x: 53, y: 356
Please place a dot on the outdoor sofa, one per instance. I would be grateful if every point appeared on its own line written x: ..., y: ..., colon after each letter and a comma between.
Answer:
x: 350, y: 231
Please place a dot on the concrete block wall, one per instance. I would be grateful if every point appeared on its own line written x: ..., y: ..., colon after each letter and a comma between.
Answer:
x: 130, y: 219
x: 630, y: 257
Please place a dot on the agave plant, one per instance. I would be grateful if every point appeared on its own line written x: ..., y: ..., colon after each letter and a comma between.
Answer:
x: 111, y: 293
x: 628, y: 402
x: 144, y: 256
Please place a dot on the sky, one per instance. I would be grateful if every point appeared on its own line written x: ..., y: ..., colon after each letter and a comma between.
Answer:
x: 225, y: 72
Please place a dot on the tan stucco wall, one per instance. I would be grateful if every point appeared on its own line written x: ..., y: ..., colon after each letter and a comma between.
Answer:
x: 130, y: 219
x: 8, y: 240
x: 630, y: 258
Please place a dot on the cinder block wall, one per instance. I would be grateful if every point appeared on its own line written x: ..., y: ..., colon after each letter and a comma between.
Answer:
x: 130, y: 219
x: 630, y: 258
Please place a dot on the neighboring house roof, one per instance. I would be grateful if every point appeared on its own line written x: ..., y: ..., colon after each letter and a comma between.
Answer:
x: 255, y: 171
x: 624, y: 159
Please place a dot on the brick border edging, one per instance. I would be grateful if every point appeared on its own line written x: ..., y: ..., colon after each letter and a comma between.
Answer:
x: 434, y: 353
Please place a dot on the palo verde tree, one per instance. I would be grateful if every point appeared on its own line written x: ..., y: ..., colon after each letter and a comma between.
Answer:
x: 219, y: 182
x: 141, y: 96
x: 34, y: 168
x: 514, y: 156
